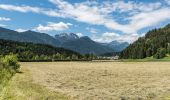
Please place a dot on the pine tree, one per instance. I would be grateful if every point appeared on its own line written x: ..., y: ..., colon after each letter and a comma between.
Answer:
x: 168, y: 48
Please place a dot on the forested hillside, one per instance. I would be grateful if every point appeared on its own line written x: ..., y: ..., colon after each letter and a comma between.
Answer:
x: 155, y: 43
x: 29, y: 51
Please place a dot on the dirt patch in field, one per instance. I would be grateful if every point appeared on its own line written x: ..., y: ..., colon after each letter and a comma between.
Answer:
x: 104, y: 80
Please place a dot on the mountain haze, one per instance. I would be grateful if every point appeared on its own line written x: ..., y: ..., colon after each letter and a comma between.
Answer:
x: 117, y: 46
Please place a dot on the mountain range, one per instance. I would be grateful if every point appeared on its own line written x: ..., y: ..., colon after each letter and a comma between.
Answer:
x: 117, y: 46
x: 70, y: 41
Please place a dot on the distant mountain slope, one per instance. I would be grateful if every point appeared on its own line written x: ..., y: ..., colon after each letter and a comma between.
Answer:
x: 36, y: 37
x: 117, y: 46
x: 29, y: 51
x: 28, y: 36
x: 154, y: 42
x: 86, y: 45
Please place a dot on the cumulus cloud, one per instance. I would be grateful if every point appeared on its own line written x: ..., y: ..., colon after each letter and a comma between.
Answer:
x: 121, y: 6
x: 168, y: 2
x: 92, y: 30
x: 2, y: 25
x: 19, y: 8
x: 142, y: 20
x: 80, y: 12
x: 51, y: 26
x: 101, y: 13
x: 26, y: 9
x: 4, y: 19
x: 111, y: 36
x: 138, y: 15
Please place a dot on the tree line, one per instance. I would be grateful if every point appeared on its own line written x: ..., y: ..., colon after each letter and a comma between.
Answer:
x: 39, y: 52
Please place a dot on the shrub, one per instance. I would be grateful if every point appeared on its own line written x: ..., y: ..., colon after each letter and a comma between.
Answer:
x: 5, y: 75
x: 161, y: 53
x: 168, y: 48
x: 11, y: 61
x: 8, y: 67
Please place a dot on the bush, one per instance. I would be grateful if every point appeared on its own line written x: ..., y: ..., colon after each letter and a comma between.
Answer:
x: 11, y: 61
x: 8, y: 67
x: 161, y: 53
x: 5, y: 75
x: 168, y: 48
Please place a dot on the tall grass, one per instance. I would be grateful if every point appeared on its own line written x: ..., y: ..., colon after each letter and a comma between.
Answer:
x: 8, y: 67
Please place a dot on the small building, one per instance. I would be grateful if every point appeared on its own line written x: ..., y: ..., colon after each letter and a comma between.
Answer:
x: 115, y: 57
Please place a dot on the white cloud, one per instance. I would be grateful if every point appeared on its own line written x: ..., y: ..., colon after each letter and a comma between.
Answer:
x: 142, y: 20
x: 19, y: 8
x: 92, y: 30
x: 4, y: 19
x: 111, y: 36
x: 79, y: 34
x: 132, y: 6
x: 139, y: 15
x: 20, y: 30
x: 80, y: 12
x: 100, y: 13
x: 2, y: 25
x: 53, y: 26
x: 25, y: 9
x: 168, y: 2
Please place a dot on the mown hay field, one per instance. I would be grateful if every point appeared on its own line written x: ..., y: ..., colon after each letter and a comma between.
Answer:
x: 104, y: 80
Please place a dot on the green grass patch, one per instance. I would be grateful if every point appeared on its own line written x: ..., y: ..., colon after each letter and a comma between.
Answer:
x: 147, y: 59
x: 5, y: 76
x: 22, y: 87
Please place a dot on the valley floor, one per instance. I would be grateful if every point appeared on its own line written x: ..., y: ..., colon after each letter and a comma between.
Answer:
x: 90, y: 81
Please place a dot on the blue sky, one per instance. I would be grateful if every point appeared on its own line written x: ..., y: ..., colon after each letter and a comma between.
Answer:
x: 102, y: 20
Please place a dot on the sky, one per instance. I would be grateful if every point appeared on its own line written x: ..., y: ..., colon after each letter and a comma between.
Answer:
x: 101, y: 20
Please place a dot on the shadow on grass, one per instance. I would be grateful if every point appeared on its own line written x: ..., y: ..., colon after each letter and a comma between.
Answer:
x: 20, y: 72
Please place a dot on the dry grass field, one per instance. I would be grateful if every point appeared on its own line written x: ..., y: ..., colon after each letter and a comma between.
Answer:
x: 99, y: 80
x: 104, y: 80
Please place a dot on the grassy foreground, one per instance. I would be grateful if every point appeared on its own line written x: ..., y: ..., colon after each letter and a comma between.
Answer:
x: 105, y: 80
x: 90, y: 81
x: 22, y: 87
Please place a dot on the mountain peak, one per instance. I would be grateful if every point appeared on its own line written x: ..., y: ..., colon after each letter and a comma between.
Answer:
x: 69, y: 35
x: 118, y: 43
x: 29, y: 31
x: 63, y: 37
x: 85, y: 37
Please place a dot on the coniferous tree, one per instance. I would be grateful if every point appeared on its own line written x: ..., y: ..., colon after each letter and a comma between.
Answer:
x: 168, y: 48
